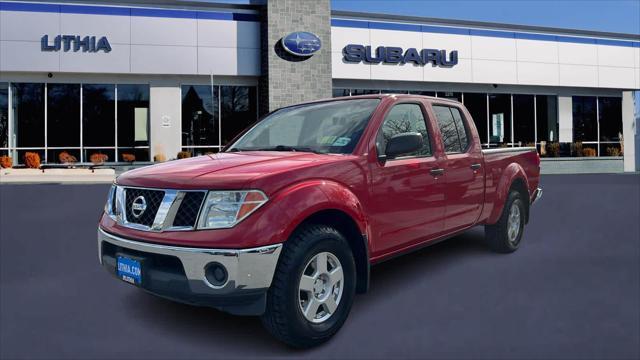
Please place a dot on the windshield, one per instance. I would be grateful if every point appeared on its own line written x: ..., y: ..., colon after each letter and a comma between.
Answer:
x: 328, y: 127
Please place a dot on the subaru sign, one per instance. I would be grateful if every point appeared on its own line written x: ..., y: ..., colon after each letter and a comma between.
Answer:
x: 301, y: 43
x: 395, y: 55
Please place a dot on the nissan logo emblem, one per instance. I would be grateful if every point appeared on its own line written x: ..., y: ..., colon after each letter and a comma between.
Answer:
x: 138, y: 206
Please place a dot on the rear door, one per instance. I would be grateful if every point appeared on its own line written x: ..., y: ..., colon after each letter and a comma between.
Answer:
x: 463, y: 164
x: 407, y: 202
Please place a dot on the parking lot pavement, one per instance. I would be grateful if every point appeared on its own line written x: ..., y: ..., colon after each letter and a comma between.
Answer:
x: 571, y: 291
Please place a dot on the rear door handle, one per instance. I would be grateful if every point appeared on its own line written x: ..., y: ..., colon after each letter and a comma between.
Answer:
x: 475, y: 166
x: 436, y: 172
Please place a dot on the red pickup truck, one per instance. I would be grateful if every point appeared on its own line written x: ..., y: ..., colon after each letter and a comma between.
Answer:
x: 286, y: 221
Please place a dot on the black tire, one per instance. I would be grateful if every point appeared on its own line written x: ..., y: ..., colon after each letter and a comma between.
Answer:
x: 497, y: 234
x: 283, y: 317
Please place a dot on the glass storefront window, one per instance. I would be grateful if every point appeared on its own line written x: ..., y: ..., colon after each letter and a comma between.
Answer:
x: 524, y: 126
x: 476, y: 104
x: 610, y: 118
x: 27, y: 107
x: 4, y: 116
x: 98, y: 116
x: 355, y: 92
x: 200, y: 123
x: 393, y: 91
x: 547, y: 118
x: 63, y: 121
x: 133, y: 121
x: 340, y: 92
x: 499, y: 119
x: 239, y: 105
x: 585, y: 123
x: 423, y: 93
x: 457, y: 96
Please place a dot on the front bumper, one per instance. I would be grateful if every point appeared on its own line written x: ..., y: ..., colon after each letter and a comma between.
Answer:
x: 178, y: 273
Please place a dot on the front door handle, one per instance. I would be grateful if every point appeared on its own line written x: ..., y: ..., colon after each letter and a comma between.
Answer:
x: 475, y: 166
x: 436, y: 172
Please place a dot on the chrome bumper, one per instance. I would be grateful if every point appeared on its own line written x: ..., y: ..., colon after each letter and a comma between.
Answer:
x: 247, y: 269
x: 537, y: 194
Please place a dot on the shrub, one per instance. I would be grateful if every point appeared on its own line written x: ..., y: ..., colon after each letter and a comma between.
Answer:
x: 32, y: 160
x: 589, y: 152
x: 98, y: 158
x: 67, y: 158
x: 159, y: 158
x: 553, y: 149
x: 184, y: 155
x: 6, y: 162
x: 613, y: 151
x: 128, y: 157
x: 576, y: 149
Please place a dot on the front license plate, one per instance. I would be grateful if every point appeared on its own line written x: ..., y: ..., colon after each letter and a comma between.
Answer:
x: 129, y: 270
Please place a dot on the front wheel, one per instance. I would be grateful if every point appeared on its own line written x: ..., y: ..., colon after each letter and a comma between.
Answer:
x: 505, y: 235
x: 313, y: 287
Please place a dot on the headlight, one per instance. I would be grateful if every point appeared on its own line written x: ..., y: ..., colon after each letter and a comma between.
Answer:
x: 224, y: 209
x: 109, y: 207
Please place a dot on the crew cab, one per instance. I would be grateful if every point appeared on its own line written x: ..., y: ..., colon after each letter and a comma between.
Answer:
x: 286, y: 221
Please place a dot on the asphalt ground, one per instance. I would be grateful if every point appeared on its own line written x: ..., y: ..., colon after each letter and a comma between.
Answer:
x: 571, y: 291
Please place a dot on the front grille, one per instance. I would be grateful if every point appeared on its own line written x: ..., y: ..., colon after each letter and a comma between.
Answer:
x: 187, y: 213
x: 152, y: 198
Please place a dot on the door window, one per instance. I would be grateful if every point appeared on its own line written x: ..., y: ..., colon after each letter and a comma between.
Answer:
x: 404, y: 118
x: 454, y: 133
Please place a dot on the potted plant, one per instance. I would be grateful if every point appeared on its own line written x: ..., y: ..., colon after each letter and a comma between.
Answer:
x: 184, y: 155
x: 159, y: 158
x: 128, y: 157
x: 32, y: 160
x: 67, y: 158
x: 589, y: 152
x: 613, y: 151
x: 98, y: 158
x: 6, y: 162
x: 553, y: 149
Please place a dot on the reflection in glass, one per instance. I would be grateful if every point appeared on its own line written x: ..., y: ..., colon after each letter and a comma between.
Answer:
x: 404, y: 118
x: 524, y: 128
x: 450, y: 95
x: 4, y: 115
x: 585, y: 125
x: 547, y: 118
x: 239, y: 110
x: 423, y: 93
x: 28, y: 114
x: 610, y: 118
x: 199, y: 115
x: 476, y: 104
x: 393, y: 91
x: 448, y: 129
x: 340, y: 92
x: 98, y: 115
x: 499, y: 119
x: 463, y: 133
x: 355, y: 92
x: 133, y: 121
x: 63, y: 115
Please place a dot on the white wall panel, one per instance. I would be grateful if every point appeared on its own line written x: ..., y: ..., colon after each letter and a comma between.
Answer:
x: 448, y: 42
x: 247, y: 34
x: 403, y: 39
x: 115, y: 28
x: 460, y: 73
x: 342, y: 70
x: 165, y: 104
x: 616, y: 77
x: 164, y: 31
x: 341, y: 37
x: 616, y: 56
x: 28, y: 26
x: 537, y: 51
x: 493, y: 48
x: 578, y: 75
x: 26, y: 56
x: 565, y: 118
x: 408, y: 72
x: 494, y: 72
x: 580, y: 54
x: 116, y: 61
x: 535, y: 73
x: 149, y: 59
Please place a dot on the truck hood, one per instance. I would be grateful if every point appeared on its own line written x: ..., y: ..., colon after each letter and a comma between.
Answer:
x: 221, y: 171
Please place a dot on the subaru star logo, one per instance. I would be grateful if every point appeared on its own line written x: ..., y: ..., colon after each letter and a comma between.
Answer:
x: 138, y: 206
x: 301, y: 43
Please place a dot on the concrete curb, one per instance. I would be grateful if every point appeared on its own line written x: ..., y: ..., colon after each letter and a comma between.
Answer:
x: 33, y: 176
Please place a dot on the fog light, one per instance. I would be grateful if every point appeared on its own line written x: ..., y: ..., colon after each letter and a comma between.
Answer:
x: 216, y: 274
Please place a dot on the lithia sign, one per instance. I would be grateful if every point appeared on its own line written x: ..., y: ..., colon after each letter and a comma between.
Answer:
x: 354, y: 53
x: 76, y: 43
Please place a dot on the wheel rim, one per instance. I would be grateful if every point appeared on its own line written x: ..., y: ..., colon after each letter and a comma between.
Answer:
x: 513, y: 223
x: 320, y: 287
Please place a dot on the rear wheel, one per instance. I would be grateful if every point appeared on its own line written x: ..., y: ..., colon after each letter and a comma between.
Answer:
x: 313, y: 288
x: 505, y: 235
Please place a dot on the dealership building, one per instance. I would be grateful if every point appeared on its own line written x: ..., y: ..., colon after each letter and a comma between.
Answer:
x: 150, y: 79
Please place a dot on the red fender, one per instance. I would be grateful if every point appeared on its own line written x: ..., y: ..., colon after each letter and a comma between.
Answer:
x: 509, y: 175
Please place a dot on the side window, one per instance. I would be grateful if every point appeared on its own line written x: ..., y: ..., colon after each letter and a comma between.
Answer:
x: 451, y: 124
x: 404, y: 118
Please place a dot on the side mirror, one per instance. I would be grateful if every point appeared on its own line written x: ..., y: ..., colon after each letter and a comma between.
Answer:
x: 402, y: 144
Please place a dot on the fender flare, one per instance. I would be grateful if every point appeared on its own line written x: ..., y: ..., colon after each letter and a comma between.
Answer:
x: 509, y: 175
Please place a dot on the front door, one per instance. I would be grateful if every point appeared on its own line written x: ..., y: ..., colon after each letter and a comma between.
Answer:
x: 407, y: 198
